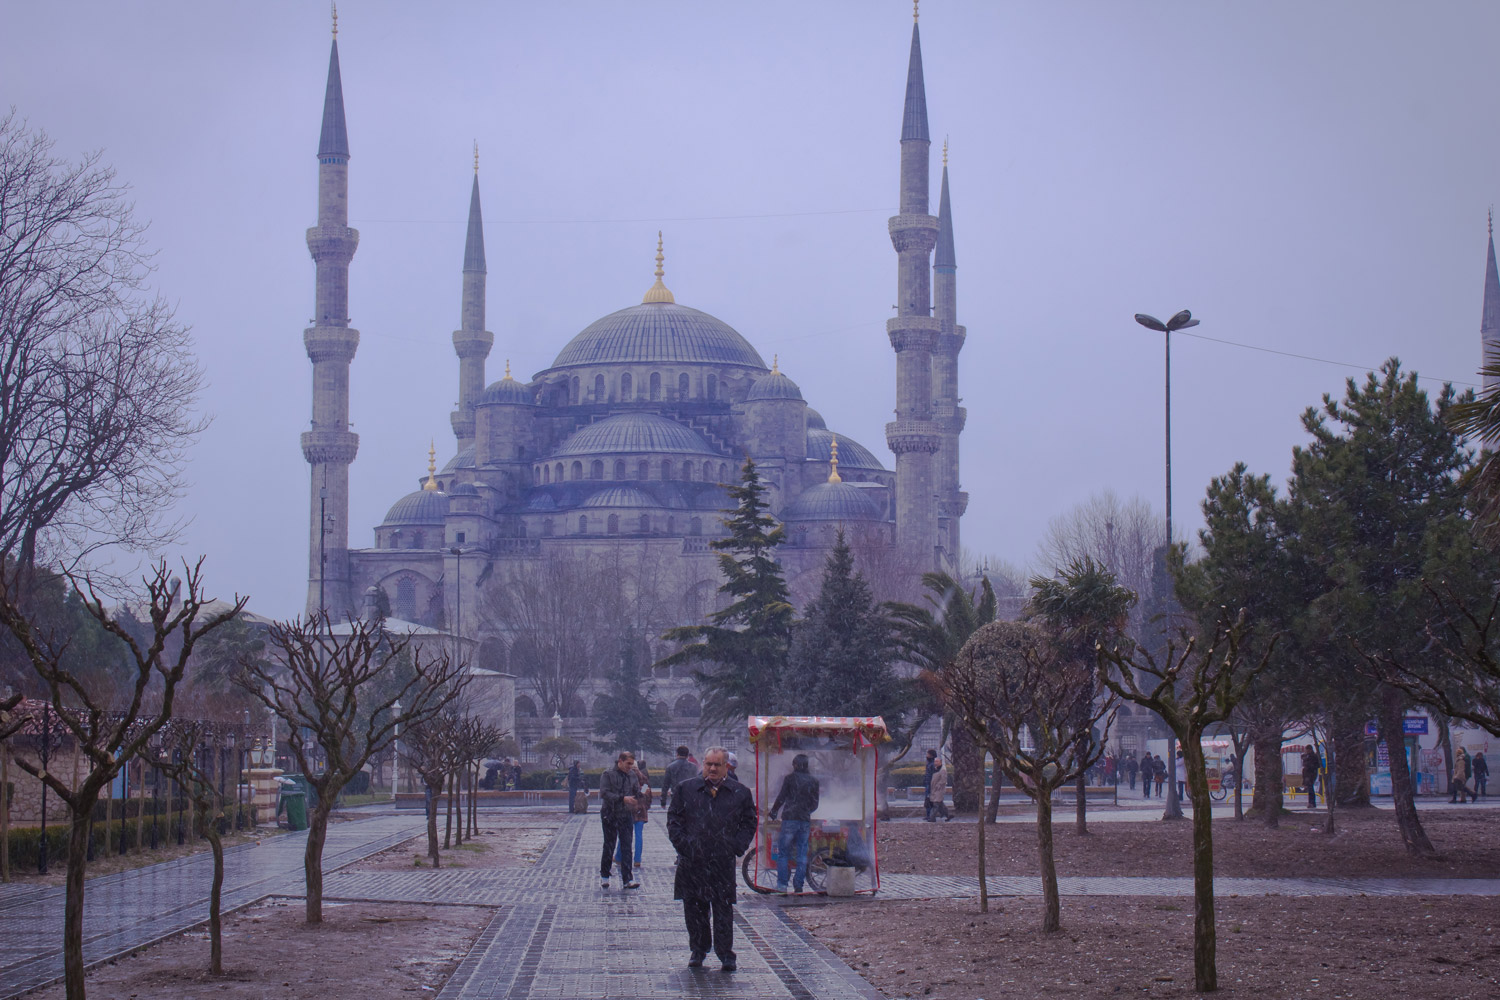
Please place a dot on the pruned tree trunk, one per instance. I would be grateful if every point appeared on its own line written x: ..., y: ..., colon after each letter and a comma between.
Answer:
x: 984, y: 889
x: 1051, y: 903
x: 994, y: 808
x: 140, y: 810
x: 215, y: 891
x: 1268, y: 788
x: 434, y: 789
x: 5, y: 811
x: 1081, y: 815
x: 1410, y: 825
x: 1351, y: 775
x: 968, y: 772
x: 458, y: 804
x: 1205, y: 935
x: 312, y: 859
x: 448, y: 813
x: 1239, y: 774
x: 78, y: 846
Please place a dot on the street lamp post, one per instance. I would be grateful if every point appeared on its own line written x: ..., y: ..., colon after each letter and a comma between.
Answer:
x: 1182, y: 321
x: 396, y: 762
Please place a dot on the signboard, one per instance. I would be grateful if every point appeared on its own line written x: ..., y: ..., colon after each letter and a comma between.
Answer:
x: 1411, y: 725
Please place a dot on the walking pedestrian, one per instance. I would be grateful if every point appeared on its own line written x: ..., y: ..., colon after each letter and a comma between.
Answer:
x: 734, y: 763
x: 937, y: 790
x: 575, y: 785
x: 711, y: 822
x: 927, y: 785
x: 799, y: 796
x: 617, y: 799
x: 1459, y: 786
x: 638, y: 814
x: 678, y: 771
x: 1481, y: 769
x: 1159, y: 773
x: 1181, y: 775
x: 1311, y: 763
x: 1131, y: 768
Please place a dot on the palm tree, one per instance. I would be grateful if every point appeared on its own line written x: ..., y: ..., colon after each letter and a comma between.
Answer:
x: 929, y: 637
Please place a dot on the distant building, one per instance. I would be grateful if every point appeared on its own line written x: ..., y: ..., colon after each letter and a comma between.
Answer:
x: 617, y: 452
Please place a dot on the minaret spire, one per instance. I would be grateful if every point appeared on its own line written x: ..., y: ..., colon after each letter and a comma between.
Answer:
x: 329, y: 446
x: 913, y: 435
x: 471, y: 341
x: 946, y: 413
x: 1489, y: 323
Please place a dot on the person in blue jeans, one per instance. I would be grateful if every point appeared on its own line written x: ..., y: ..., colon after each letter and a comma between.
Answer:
x: 797, y: 801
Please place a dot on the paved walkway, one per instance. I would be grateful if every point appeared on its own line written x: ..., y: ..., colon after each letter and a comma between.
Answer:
x: 124, y: 911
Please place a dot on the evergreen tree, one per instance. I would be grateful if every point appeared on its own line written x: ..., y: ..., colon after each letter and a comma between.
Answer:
x: 840, y: 660
x: 742, y: 650
x: 626, y: 718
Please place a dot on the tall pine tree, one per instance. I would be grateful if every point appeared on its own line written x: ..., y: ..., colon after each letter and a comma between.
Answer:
x: 741, y: 653
x: 625, y: 716
x: 840, y: 659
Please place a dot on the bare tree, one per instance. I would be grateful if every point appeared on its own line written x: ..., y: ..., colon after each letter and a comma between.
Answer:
x: 108, y: 733
x: 1121, y: 536
x: 341, y: 686
x: 430, y: 749
x: 1191, y: 688
x: 1018, y: 699
x: 97, y: 381
x: 180, y: 761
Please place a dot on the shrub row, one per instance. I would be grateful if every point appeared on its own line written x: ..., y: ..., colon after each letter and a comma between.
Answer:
x: 25, y: 841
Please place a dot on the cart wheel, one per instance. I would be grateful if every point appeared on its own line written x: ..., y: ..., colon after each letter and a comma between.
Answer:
x: 1221, y: 794
x: 817, y: 870
x: 749, y: 875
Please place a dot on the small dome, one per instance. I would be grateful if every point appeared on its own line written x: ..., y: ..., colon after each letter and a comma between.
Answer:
x: 620, y: 496
x: 507, y: 390
x: 657, y: 333
x: 773, y: 386
x: 635, y: 433
x: 421, y: 507
x: 815, y: 419
x: 463, y: 460
x: 542, y: 502
x: 852, y: 454
x: 464, y: 490
x: 832, y: 502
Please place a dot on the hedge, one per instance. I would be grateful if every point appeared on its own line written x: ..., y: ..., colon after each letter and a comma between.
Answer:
x: 25, y: 841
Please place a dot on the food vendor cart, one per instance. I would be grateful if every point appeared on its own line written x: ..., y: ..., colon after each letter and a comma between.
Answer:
x: 842, y: 754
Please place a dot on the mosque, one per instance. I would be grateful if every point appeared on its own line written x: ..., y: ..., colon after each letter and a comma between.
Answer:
x: 619, y: 451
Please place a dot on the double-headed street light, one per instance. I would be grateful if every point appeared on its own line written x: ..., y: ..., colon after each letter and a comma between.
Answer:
x: 1181, y: 321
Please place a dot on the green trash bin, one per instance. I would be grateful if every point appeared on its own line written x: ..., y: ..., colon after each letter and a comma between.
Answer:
x: 294, y: 800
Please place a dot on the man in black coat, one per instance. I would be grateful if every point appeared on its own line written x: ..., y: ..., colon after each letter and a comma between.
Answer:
x: 711, y: 822
x: 678, y: 771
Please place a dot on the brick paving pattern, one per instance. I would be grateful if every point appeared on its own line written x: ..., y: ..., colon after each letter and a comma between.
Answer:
x: 129, y: 909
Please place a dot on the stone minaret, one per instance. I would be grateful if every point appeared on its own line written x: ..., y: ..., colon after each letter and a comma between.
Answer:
x: 330, y: 446
x: 471, y: 340
x: 947, y: 414
x: 1489, y: 323
x: 913, y: 435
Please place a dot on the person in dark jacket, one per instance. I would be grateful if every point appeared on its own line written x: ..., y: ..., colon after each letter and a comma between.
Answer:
x: 1481, y: 771
x: 799, y: 797
x: 617, y: 791
x: 575, y: 785
x: 927, y: 784
x: 711, y: 822
x: 678, y: 771
x: 1132, y: 768
x: 1310, y: 765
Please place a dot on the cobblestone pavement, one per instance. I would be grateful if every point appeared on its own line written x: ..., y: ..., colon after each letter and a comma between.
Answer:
x: 129, y: 909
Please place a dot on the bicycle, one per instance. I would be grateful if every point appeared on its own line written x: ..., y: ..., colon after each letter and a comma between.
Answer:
x: 817, y: 871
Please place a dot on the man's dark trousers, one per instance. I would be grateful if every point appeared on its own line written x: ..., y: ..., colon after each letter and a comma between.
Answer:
x: 702, y: 935
x: 619, y: 828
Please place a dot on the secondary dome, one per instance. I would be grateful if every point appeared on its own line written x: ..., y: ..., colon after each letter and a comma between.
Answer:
x: 620, y: 496
x: 774, y: 385
x: 507, y: 390
x: 421, y: 507
x: 852, y: 454
x: 633, y: 433
x: 658, y: 333
x: 832, y: 502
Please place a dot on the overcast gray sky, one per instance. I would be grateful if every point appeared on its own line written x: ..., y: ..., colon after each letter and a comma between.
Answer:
x: 1306, y: 178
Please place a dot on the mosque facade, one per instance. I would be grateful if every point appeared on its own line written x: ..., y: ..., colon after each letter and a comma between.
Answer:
x: 616, y: 455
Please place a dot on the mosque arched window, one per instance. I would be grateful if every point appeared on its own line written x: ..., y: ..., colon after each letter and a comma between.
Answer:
x: 625, y: 388
x: 644, y: 471
x: 525, y: 708
x: 546, y: 473
x: 687, y: 471
x: 577, y: 471
x: 687, y: 707
x: 557, y: 476
x: 666, y: 468
x: 613, y: 525
x: 619, y: 468
x: 723, y: 472
x: 655, y: 386
x: 406, y: 599
x: 577, y: 391
x: 695, y: 526
x: 708, y: 472
x: 596, y: 469
x: 416, y: 539
x: 682, y: 386
x: 599, y: 389
x: 583, y: 524
x: 546, y: 527
x: 645, y: 524
x: 711, y: 387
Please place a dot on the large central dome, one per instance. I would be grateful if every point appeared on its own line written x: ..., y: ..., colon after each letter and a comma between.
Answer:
x: 658, y: 333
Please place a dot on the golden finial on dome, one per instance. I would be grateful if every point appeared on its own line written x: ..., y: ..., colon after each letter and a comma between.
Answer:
x: 476, y: 157
x: 658, y: 292
x: 945, y: 154
x: 507, y: 371
x: 431, y: 484
x: 335, y: 8
x: 775, y: 362
x: 833, y: 463
x: 914, y: 11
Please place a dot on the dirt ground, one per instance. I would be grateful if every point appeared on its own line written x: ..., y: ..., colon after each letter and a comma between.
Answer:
x: 1367, y: 843
x: 1275, y: 948
x: 269, y: 951
x: 503, y: 842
